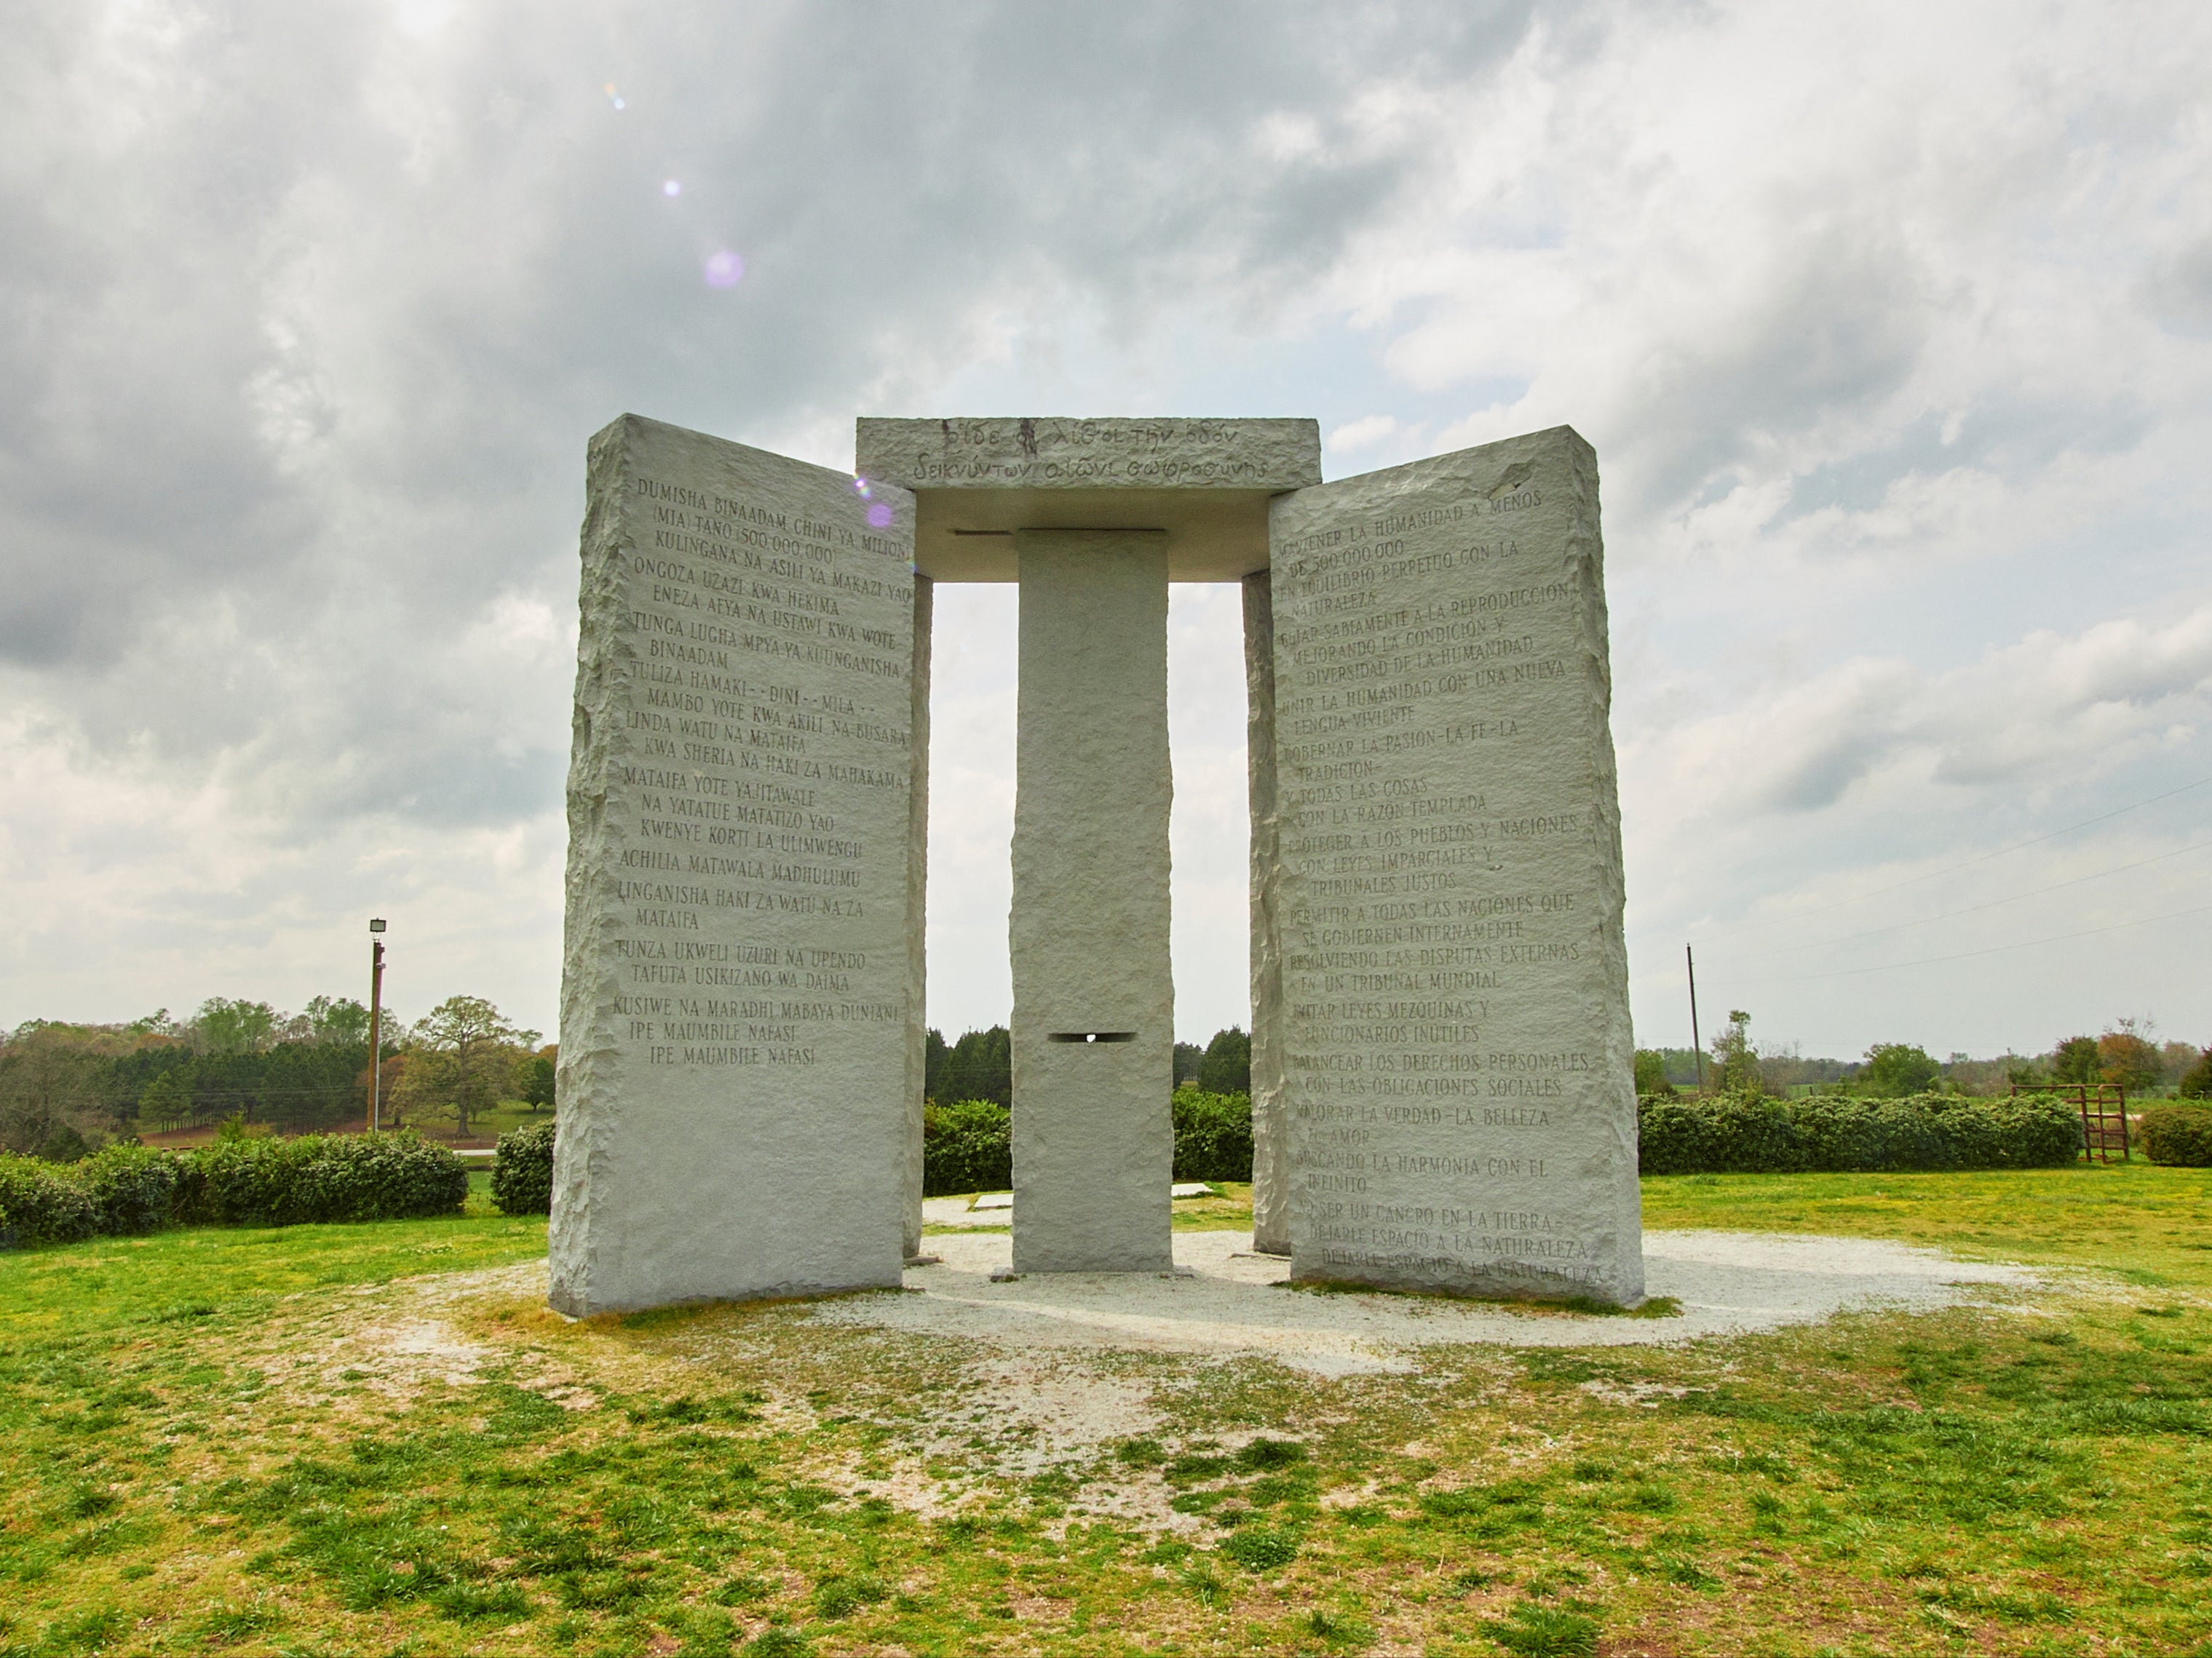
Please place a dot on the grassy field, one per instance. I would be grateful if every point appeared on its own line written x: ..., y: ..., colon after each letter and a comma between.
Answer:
x: 372, y: 1441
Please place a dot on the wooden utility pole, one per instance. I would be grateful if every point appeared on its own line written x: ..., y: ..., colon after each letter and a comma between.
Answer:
x: 1697, y: 1044
x: 376, y: 1027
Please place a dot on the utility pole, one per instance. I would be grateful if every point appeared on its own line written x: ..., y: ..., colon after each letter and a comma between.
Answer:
x: 1697, y: 1044
x: 375, y: 1025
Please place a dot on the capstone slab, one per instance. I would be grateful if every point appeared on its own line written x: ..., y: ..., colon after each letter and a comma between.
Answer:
x: 735, y: 1019
x: 1205, y: 484
x: 1459, y: 1066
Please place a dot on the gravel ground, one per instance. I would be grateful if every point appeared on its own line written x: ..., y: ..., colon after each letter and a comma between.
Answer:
x: 1233, y: 1301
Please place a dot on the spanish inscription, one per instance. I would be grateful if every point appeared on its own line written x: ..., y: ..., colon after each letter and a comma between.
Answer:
x: 1458, y: 1051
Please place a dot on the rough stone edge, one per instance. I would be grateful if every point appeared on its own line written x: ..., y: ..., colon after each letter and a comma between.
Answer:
x: 1585, y: 548
x: 1270, y: 1170
x: 1296, y: 439
x: 917, y: 908
x: 580, y: 1141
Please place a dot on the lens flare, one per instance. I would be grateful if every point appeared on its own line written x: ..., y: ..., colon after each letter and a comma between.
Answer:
x: 672, y: 188
x: 879, y: 516
x: 614, y: 97
x: 861, y: 488
x: 724, y: 270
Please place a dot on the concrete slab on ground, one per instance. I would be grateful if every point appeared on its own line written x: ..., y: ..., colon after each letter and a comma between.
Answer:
x: 1233, y: 1303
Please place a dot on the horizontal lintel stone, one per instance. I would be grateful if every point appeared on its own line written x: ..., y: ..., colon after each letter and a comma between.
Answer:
x: 1206, y: 483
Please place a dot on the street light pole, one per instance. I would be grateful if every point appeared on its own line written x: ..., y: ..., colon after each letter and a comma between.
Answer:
x: 375, y: 1026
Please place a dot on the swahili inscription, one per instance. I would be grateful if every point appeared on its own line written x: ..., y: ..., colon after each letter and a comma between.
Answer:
x: 736, y: 959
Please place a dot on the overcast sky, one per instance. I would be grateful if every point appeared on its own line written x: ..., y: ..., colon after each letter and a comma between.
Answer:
x: 1892, y: 325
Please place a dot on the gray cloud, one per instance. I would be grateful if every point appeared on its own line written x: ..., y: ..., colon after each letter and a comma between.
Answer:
x: 1888, y: 330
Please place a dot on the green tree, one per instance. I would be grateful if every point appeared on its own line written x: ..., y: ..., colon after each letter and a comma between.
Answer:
x: 1188, y: 1057
x: 1227, y: 1066
x: 979, y: 1067
x: 50, y: 1078
x: 1735, y: 1059
x: 2196, y: 1082
x: 1651, y: 1072
x: 2125, y: 1057
x: 2074, y: 1060
x: 339, y: 1019
x: 227, y: 1027
x: 461, y: 1059
x: 166, y: 1102
x: 533, y: 1079
x: 1893, y: 1069
x: 64, y: 1145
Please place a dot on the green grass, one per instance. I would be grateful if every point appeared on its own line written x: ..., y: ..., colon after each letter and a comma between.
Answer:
x: 2152, y: 1223
x: 318, y: 1443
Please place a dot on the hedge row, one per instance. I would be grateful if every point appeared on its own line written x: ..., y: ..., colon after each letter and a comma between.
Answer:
x: 967, y: 1145
x: 1213, y: 1135
x: 1737, y: 1134
x: 128, y: 1189
x: 2179, y: 1135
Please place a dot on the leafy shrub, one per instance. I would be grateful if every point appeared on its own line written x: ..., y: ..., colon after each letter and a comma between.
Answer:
x: 2178, y: 1135
x: 967, y: 1145
x: 1896, y: 1071
x: 317, y: 1177
x: 1739, y: 1133
x: 257, y: 1180
x: 1226, y: 1067
x: 41, y: 1202
x: 522, y: 1171
x: 133, y: 1188
x: 2196, y: 1082
x: 1213, y: 1135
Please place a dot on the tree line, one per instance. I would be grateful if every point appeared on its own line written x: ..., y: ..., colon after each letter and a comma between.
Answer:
x: 66, y: 1089
x: 980, y: 1065
x: 2127, y: 1054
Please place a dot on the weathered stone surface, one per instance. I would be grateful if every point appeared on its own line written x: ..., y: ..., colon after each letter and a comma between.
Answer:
x: 1271, y: 1144
x: 734, y: 1018
x: 1459, y: 1068
x: 917, y: 915
x: 1204, y: 483
x: 1093, y: 1143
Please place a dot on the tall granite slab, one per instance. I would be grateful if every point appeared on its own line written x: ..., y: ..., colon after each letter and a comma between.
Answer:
x: 1094, y: 993
x: 1458, y: 1059
x: 735, y: 1009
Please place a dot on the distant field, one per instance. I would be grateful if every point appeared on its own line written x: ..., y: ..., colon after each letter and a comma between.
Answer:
x: 372, y: 1441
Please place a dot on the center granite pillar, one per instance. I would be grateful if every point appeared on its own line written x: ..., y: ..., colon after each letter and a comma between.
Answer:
x: 1094, y: 994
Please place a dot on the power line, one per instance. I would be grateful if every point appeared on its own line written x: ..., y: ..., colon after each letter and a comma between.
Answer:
x: 1994, y: 949
x: 2001, y: 852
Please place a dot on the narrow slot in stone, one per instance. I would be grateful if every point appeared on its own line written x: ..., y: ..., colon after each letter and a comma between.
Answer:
x: 1091, y: 1036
